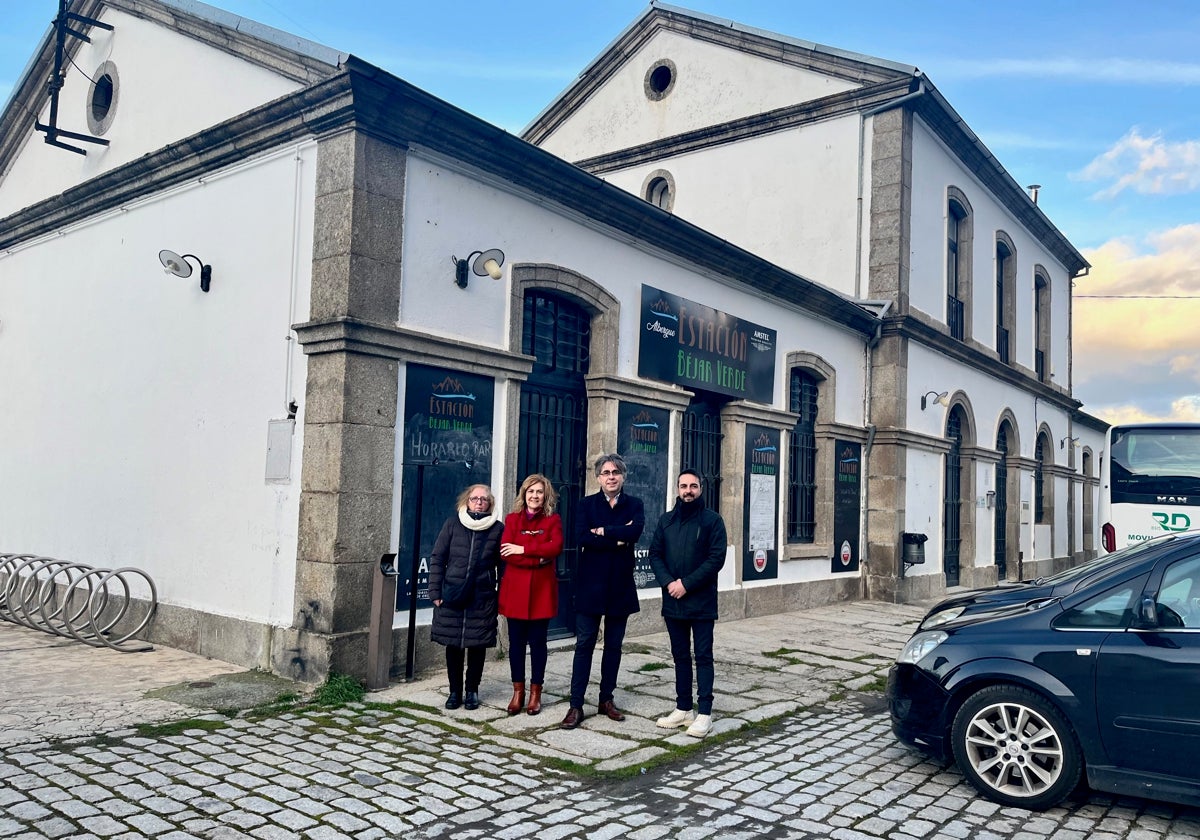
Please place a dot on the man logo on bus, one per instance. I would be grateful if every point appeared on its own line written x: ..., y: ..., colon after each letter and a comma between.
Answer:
x: 1174, y: 500
x: 1172, y: 521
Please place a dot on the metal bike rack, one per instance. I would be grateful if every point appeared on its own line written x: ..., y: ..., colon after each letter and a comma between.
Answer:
x: 73, y: 600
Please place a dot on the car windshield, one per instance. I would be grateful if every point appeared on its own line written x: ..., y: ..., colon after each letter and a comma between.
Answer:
x: 1108, y: 562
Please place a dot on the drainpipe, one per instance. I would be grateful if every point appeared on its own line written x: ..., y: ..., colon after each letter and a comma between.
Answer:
x: 862, y: 143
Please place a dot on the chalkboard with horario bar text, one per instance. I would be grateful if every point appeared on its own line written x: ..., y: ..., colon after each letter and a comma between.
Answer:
x: 760, y: 559
x: 448, y: 417
x: 847, y: 505
x: 642, y: 434
x: 699, y: 347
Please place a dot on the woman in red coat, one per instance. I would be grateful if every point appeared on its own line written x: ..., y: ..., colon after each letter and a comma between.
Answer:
x: 531, y: 542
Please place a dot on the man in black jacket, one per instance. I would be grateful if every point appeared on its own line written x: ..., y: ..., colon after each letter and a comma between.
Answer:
x: 687, y: 552
x: 608, y: 524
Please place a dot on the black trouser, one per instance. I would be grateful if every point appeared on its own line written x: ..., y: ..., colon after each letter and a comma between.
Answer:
x: 587, y: 629
x: 529, y: 634
x: 682, y: 631
x: 454, y: 667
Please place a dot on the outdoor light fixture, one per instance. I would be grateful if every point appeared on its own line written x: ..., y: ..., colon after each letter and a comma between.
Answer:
x: 940, y: 399
x: 180, y: 267
x: 1074, y: 441
x: 487, y: 263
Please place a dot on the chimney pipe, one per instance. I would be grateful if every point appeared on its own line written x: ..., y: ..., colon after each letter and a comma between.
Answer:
x: 1033, y: 191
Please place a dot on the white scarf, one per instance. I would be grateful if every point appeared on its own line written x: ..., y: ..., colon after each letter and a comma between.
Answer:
x: 476, y: 524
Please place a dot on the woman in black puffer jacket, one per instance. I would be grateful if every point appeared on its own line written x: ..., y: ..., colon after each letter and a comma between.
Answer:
x: 462, y: 586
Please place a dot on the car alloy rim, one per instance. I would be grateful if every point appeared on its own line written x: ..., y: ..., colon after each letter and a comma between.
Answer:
x: 1014, y: 749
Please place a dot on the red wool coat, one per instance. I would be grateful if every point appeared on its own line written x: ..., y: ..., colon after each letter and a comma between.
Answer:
x: 529, y: 588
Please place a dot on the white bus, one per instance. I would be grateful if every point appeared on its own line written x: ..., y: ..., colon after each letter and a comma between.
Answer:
x: 1149, y: 482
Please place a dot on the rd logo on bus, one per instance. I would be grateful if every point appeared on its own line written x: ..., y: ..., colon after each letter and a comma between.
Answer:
x: 1172, y: 521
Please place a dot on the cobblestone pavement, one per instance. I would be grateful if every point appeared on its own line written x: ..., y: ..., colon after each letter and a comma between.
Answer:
x: 398, y: 766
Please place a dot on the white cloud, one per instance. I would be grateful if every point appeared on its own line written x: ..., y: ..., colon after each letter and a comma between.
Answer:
x: 1148, y: 165
x: 1091, y: 69
x: 1185, y: 409
x: 1149, y: 346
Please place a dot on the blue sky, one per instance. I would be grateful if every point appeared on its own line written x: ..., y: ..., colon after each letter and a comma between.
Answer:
x: 1099, y: 102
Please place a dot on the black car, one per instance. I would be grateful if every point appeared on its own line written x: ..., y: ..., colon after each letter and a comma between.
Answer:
x: 1097, y: 670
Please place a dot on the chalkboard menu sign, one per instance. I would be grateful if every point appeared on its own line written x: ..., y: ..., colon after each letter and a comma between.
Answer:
x: 696, y: 346
x: 642, y: 438
x: 847, y: 505
x: 760, y: 560
x: 448, y: 419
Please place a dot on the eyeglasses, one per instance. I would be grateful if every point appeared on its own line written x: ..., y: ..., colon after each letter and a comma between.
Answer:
x: 478, y: 499
x: 610, y: 472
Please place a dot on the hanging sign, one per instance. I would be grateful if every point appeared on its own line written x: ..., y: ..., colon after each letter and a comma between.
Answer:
x: 699, y: 347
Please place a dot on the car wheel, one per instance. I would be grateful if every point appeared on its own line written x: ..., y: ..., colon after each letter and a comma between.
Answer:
x: 1016, y: 748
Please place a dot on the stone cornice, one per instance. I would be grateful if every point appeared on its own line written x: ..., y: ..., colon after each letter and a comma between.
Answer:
x: 748, y: 412
x: 314, y: 110
x: 779, y: 119
x: 655, y: 394
x: 937, y: 338
x: 348, y: 335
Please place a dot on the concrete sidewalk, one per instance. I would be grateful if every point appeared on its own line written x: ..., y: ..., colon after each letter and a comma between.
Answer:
x: 766, y: 667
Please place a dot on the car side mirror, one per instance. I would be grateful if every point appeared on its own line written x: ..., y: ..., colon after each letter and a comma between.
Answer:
x: 1147, y: 614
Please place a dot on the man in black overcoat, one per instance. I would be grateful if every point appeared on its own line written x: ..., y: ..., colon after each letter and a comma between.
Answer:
x: 608, y: 525
x: 686, y: 554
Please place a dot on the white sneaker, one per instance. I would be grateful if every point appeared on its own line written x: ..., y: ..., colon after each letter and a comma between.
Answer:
x: 701, y: 726
x: 677, y: 719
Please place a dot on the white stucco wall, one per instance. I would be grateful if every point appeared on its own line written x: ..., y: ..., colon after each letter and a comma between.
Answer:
x: 933, y: 170
x: 136, y: 406
x: 169, y: 86
x: 460, y: 213
x: 713, y: 84
x: 794, y: 192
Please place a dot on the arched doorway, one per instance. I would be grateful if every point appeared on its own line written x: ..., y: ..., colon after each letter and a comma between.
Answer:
x: 1000, y: 523
x: 952, y: 502
x: 553, y: 424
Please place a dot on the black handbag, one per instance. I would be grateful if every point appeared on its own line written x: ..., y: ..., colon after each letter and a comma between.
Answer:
x: 460, y: 595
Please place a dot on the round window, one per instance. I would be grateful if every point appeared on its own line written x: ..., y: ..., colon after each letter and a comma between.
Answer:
x: 660, y: 79
x: 102, y: 100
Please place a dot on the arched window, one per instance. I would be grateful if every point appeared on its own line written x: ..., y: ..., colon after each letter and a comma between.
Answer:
x: 959, y: 236
x: 1041, y: 326
x: 802, y: 458
x: 1040, y: 505
x: 1006, y: 275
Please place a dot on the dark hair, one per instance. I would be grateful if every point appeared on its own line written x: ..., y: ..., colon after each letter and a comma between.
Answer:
x: 611, y: 458
x: 699, y: 478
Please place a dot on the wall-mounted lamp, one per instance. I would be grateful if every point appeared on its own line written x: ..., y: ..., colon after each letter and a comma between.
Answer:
x: 1074, y: 441
x: 487, y: 263
x: 942, y: 399
x: 991, y: 499
x: 180, y: 267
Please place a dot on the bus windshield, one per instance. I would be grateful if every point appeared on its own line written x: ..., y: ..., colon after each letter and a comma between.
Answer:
x: 1154, y: 461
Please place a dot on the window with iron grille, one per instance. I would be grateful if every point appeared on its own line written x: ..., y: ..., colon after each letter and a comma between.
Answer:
x: 802, y: 459
x: 1039, y: 481
x: 701, y: 445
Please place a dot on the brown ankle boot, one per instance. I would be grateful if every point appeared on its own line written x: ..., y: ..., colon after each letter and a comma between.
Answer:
x: 518, y: 698
x: 535, y: 698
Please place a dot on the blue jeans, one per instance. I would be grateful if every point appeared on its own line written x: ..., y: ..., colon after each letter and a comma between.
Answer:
x: 587, y: 628
x: 682, y: 632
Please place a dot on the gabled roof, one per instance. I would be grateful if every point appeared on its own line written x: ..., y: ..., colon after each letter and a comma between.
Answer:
x: 842, y: 64
x: 879, y: 80
x: 295, y: 58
